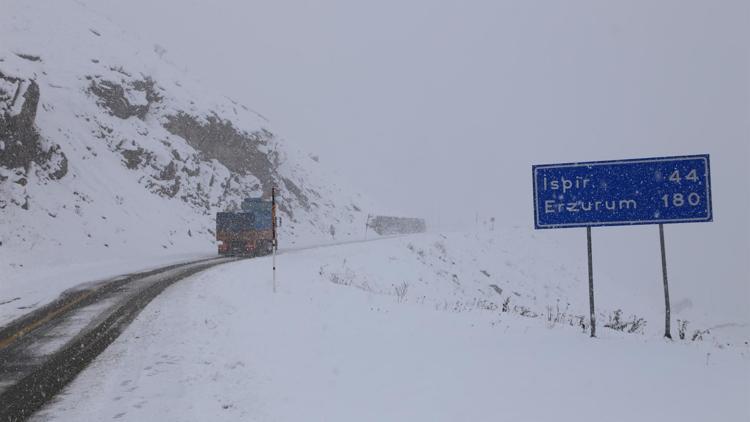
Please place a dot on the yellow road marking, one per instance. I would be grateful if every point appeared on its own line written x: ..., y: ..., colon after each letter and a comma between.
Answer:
x: 33, y: 325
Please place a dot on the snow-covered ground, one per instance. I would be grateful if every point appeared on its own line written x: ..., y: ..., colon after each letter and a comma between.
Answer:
x: 404, y: 329
x: 123, y: 162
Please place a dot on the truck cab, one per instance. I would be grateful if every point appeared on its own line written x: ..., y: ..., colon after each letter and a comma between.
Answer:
x: 248, y: 232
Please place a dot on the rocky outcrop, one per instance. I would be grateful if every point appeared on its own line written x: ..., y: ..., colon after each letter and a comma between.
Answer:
x: 20, y: 142
x: 241, y: 152
x: 136, y: 158
x: 297, y: 192
x: 22, y: 148
x: 125, y: 99
x: 17, y: 131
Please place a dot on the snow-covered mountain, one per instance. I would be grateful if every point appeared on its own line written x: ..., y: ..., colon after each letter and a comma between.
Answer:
x: 106, y: 148
x: 113, y: 160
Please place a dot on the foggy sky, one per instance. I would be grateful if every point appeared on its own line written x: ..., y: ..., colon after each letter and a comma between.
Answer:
x: 439, y: 108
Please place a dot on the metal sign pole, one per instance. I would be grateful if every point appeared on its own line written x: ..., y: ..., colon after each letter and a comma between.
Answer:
x: 591, y: 283
x: 667, y: 331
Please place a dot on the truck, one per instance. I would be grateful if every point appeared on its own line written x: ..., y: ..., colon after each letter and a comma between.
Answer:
x: 387, y: 225
x: 249, y: 232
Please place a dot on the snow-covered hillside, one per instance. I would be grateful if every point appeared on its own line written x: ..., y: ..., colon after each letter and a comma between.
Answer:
x: 514, y: 272
x: 108, y: 152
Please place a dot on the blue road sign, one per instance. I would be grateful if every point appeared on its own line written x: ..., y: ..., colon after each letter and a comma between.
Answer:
x: 623, y: 192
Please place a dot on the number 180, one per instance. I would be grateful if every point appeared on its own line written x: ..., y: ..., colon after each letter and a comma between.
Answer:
x: 678, y: 199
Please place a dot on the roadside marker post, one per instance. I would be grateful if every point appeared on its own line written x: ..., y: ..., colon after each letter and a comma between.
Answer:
x: 367, y: 224
x: 274, y: 266
x: 274, y: 243
x: 659, y: 191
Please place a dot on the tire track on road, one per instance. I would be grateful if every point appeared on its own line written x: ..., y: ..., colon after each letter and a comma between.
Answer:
x: 79, y: 325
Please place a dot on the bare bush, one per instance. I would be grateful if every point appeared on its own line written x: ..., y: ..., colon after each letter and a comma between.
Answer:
x: 637, y: 325
x: 555, y: 316
x: 682, y: 331
x: 681, y: 328
x: 506, y: 304
x: 615, y: 321
x: 336, y: 278
x: 582, y: 322
x: 524, y: 311
x: 698, y: 335
x: 486, y: 305
x: 401, y: 291
x: 618, y: 324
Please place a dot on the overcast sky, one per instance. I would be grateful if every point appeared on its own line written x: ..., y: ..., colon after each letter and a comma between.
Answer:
x: 439, y: 108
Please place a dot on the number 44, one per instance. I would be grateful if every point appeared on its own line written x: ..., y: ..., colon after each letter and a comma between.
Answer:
x: 691, y: 176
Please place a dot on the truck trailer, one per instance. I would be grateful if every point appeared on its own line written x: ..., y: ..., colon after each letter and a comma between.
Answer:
x: 249, y: 232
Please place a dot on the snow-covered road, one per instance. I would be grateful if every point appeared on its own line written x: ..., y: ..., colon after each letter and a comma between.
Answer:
x: 44, y: 350
x: 325, y: 347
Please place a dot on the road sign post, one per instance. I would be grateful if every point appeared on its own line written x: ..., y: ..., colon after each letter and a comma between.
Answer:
x: 592, y: 314
x: 625, y: 192
x: 667, y: 330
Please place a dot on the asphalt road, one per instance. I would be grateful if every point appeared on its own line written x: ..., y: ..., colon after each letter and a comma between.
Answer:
x: 43, y: 351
